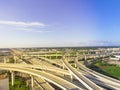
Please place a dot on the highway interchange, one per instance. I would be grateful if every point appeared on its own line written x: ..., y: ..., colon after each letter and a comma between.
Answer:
x: 59, y: 73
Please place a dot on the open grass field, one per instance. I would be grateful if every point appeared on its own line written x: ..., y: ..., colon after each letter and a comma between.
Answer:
x: 107, y: 69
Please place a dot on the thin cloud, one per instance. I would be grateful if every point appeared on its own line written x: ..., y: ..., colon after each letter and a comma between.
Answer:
x: 23, y: 26
x: 19, y: 23
x: 32, y: 30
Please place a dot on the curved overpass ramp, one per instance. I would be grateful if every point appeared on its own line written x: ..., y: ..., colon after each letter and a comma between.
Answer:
x: 110, y: 81
x: 86, y: 82
x: 43, y: 67
x: 63, y: 84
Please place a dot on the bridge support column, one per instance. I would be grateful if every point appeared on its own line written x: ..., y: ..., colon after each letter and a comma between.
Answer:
x: 77, y: 68
x: 4, y: 59
x: 71, y: 77
x: 27, y: 83
x: 50, y: 57
x: 32, y: 82
x: 8, y: 60
x: 15, y: 59
x: 63, y: 67
x: 109, y: 57
x: 12, y: 77
x: 99, y: 56
x: 85, y: 58
x: 21, y: 56
x: 75, y: 65
x: 45, y: 55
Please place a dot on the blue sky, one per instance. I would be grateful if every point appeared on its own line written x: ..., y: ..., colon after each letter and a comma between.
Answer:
x: 49, y: 23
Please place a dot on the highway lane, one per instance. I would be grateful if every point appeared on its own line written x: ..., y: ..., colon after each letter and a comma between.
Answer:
x: 20, y: 53
x: 43, y: 84
x: 101, y: 83
x: 43, y: 67
x: 27, y: 55
x: 48, y: 60
x: 45, y: 61
x: 52, y: 62
x: 37, y: 64
x: 86, y: 82
x: 60, y: 64
x: 110, y: 81
x: 65, y: 85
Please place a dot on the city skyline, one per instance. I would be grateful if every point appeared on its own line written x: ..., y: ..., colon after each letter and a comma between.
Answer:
x: 56, y: 23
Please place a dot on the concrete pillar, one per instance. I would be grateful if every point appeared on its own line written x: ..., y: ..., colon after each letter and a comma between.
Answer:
x: 71, y: 77
x: 77, y: 68
x: 99, y: 55
x: 27, y: 83
x: 63, y: 58
x: 85, y: 58
x: 15, y: 59
x: 4, y: 59
x: 63, y: 66
x: 109, y: 57
x: 7, y: 60
x: 21, y: 56
x: 75, y: 65
x: 12, y: 77
x: 45, y: 55
x: 32, y: 82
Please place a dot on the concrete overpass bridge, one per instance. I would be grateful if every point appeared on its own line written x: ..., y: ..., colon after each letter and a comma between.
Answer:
x: 109, y: 82
x: 86, y: 82
x: 63, y: 84
x: 43, y: 67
